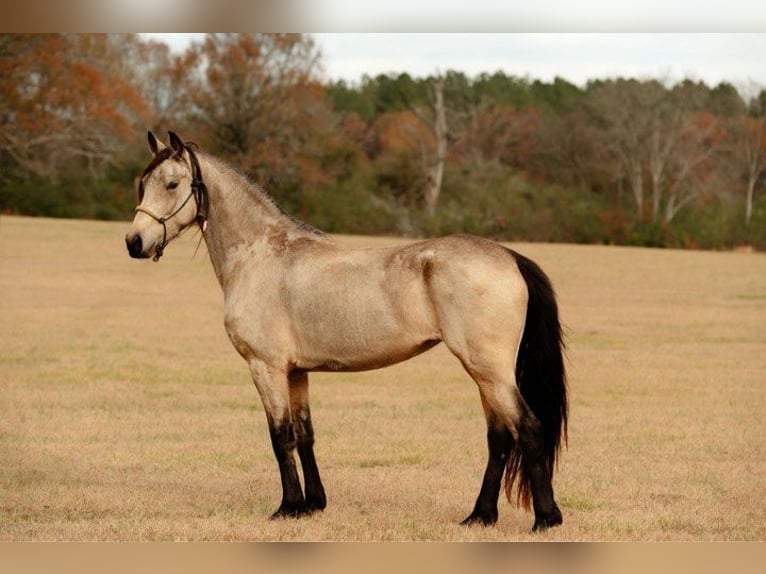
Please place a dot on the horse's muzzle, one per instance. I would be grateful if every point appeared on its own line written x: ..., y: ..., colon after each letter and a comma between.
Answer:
x: 135, y: 246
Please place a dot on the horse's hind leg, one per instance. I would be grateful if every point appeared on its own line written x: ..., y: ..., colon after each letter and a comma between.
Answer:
x: 499, y: 442
x: 513, y: 431
x: 535, y: 469
x: 304, y: 434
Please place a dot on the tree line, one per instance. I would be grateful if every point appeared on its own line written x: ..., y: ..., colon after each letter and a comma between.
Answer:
x: 620, y: 160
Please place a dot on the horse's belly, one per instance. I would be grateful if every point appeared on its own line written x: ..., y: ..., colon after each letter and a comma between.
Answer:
x: 357, y: 343
x: 365, y: 361
x: 361, y: 314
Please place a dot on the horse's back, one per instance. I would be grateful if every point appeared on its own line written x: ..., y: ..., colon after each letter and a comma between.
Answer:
x: 464, y: 267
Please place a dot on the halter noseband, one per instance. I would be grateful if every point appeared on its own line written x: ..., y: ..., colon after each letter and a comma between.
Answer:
x: 198, y: 191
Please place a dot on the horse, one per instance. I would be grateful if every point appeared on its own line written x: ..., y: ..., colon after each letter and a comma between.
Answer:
x: 297, y: 302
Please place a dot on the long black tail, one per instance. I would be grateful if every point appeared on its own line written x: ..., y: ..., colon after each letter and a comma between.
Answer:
x: 540, y: 375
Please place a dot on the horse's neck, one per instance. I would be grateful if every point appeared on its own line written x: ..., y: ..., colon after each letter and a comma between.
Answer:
x: 242, y: 222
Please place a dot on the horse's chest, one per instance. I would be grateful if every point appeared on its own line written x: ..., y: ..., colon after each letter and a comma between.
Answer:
x: 256, y: 320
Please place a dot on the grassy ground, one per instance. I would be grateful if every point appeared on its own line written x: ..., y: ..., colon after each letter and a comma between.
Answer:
x: 126, y: 415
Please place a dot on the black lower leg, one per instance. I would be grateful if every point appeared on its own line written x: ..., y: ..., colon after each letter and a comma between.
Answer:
x: 315, y: 495
x: 499, y: 441
x: 283, y: 442
x: 536, y: 466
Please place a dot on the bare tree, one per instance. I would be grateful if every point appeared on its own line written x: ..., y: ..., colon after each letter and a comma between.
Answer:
x: 438, y: 124
x: 683, y: 146
x: 751, y: 140
x: 665, y: 125
x: 650, y: 130
x: 256, y: 96
x: 624, y: 112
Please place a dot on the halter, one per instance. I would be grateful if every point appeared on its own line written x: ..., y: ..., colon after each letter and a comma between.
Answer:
x: 198, y: 191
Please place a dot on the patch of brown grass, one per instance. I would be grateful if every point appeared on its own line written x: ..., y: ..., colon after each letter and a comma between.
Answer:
x: 126, y: 415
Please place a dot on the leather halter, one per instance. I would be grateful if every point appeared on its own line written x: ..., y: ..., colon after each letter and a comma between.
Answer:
x: 198, y: 191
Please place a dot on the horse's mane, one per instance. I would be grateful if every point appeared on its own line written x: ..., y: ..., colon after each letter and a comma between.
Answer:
x: 261, y: 195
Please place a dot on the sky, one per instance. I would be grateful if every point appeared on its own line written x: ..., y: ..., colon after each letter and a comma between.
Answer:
x: 738, y: 58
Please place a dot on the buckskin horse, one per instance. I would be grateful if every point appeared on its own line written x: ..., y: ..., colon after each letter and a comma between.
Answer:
x: 296, y: 302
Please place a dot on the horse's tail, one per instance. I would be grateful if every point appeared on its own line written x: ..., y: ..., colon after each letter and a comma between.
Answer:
x: 540, y: 376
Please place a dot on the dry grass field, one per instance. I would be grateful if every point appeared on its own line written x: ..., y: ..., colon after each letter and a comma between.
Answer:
x: 125, y: 414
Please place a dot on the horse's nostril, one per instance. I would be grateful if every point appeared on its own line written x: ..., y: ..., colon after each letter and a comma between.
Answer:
x: 135, y: 245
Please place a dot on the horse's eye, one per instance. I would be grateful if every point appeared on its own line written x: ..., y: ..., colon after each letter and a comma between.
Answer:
x: 172, y: 185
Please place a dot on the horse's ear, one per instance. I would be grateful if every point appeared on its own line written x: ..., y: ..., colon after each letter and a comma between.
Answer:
x: 176, y: 143
x: 154, y: 144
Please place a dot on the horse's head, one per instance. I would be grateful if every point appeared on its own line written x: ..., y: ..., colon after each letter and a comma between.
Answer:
x: 171, y: 196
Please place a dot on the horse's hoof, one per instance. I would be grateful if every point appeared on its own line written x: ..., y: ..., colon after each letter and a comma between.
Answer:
x: 479, y: 518
x: 291, y: 511
x: 312, y: 507
x: 546, y: 522
x: 315, y: 502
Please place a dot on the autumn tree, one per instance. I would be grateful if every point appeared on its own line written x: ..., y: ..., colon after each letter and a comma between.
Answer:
x: 64, y: 100
x: 502, y: 134
x: 403, y: 97
x: 257, y: 102
x: 403, y: 151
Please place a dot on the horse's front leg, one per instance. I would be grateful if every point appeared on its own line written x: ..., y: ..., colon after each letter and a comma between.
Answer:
x: 272, y: 385
x: 304, y: 433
